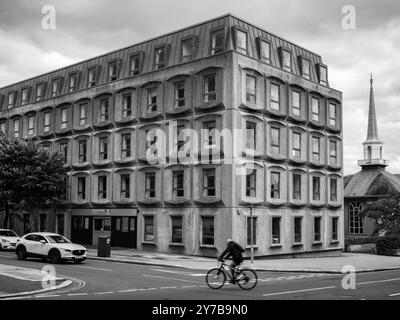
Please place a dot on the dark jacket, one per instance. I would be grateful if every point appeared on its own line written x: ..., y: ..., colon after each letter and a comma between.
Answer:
x: 233, y: 250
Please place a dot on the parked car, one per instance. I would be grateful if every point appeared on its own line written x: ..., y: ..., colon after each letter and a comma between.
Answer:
x: 49, y: 246
x: 8, y: 239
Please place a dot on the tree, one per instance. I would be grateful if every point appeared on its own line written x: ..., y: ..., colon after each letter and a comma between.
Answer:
x: 385, y: 212
x: 30, y: 177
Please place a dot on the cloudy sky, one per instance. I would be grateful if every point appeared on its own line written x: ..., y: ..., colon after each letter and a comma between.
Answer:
x: 87, y: 28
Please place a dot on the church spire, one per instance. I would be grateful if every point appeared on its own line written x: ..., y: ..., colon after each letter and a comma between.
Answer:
x: 373, y: 147
x: 372, y: 133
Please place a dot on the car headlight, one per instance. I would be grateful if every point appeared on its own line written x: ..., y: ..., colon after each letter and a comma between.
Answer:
x: 5, y: 241
x: 66, y: 250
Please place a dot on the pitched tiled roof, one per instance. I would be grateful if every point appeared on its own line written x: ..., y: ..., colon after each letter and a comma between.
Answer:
x: 372, y: 183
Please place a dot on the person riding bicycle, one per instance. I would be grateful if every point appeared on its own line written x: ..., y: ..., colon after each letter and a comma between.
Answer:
x: 233, y: 250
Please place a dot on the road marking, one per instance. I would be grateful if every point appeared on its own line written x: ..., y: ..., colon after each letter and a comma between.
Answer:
x: 296, y: 291
x: 107, y: 292
x: 146, y: 289
x: 77, y: 294
x: 189, y: 286
x: 47, y: 296
x: 101, y: 269
x: 168, y: 287
x: 378, y: 281
x: 167, y: 278
x: 127, y: 290
x: 394, y: 294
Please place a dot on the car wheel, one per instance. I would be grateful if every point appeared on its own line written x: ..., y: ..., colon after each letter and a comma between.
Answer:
x: 54, y: 256
x: 21, y: 253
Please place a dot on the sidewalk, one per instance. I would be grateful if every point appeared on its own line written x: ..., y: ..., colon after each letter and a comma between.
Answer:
x: 362, y: 262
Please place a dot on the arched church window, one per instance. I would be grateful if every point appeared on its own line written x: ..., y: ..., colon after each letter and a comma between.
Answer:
x: 356, y: 221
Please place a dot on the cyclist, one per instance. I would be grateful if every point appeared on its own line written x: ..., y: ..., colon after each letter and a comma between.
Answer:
x: 233, y: 250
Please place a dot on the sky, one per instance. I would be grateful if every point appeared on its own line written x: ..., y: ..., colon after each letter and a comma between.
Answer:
x: 367, y: 43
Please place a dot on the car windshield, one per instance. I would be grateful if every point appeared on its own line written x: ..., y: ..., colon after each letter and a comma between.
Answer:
x: 58, y: 239
x: 7, y: 233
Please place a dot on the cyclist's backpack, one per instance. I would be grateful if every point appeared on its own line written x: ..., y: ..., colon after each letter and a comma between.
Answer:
x: 239, y: 247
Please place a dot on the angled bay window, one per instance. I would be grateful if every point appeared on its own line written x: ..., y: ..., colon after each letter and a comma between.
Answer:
x: 296, y: 186
x: 152, y: 99
x: 103, y: 114
x: 73, y: 82
x: 316, y: 148
x: 82, y: 151
x: 296, y: 144
x: 25, y: 96
x: 135, y: 64
x: 150, y: 185
x: 316, y: 188
x: 275, y: 185
x: 126, y: 145
x: 125, y: 186
x: 179, y: 94
x: 102, y: 187
x: 276, y: 140
x: 81, y: 188
x: 209, y: 184
x: 251, y: 183
x: 178, y: 189
x: 217, y: 41
x: 177, y: 229
x: 251, y: 85
x: 159, y: 57
x: 209, y: 88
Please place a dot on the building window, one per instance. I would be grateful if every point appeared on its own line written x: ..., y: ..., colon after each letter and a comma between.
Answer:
x: 135, y: 64
x: 217, y: 41
x: 149, y: 228
x: 82, y: 146
x: 159, y: 58
x: 91, y: 77
x: 126, y: 105
x: 314, y: 109
x: 316, y: 188
x: 103, y: 148
x: 241, y: 42
x: 3, y: 127
x: 125, y: 186
x: 83, y: 114
x: 251, y: 89
x: 72, y: 83
x: 323, y: 79
x: 152, y: 99
x: 276, y: 230
x: 31, y: 125
x: 296, y: 103
x: 56, y: 87
x: 209, y: 89
x: 112, y: 71
x: 103, y: 109
x: 11, y: 100
x: 275, y: 96
x: 81, y: 188
x: 251, y: 135
x: 178, y: 188
x: 25, y: 96
x: 209, y: 127
x: 177, y: 229
x: 335, y: 229
x: 149, y: 142
x: 333, y: 189
x: 187, y: 50
x: 296, y: 186
x: 265, y: 53
x: 306, y: 68
x: 332, y: 114
x: 64, y: 118
x: 209, y: 183
x: 275, y: 185
x: 356, y: 221
x: 42, y: 224
x: 102, y: 187
x: 179, y: 92
x: 297, y: 229
x: 316, y: 148
x: 275, y: 140
x: 332, y: 152
x: 150, y: 185
x: 46, y: 125
x: 63, y: 150
x: 125, y: 145
x: 180, y: 141
x: 286, y: 60
x: 16, y: 128
x: 317, y: 229
x: 250, y: 221
x: 207, y: 234
x: 39, y: 91
x: 296, y: 150
x: 251, y: 182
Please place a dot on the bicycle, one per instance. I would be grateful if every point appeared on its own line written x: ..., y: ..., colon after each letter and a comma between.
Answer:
x: 245, y: 278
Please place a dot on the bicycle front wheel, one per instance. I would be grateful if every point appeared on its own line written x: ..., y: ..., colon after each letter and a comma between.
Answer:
x: 247, y: 279
x: 215, y: 278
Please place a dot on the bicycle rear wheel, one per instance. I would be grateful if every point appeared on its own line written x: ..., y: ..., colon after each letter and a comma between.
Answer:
x: 215, y: 278
x: 247, y: 279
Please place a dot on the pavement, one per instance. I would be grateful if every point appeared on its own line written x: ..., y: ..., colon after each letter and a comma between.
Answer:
x: 358, y: 262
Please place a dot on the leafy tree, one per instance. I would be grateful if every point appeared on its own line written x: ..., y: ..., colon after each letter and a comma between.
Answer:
x: 30, y: 177
x: 386, y: 213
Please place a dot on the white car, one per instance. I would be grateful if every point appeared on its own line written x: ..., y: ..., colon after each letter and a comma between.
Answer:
x: 51, y: 246
x: 8, y: 239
